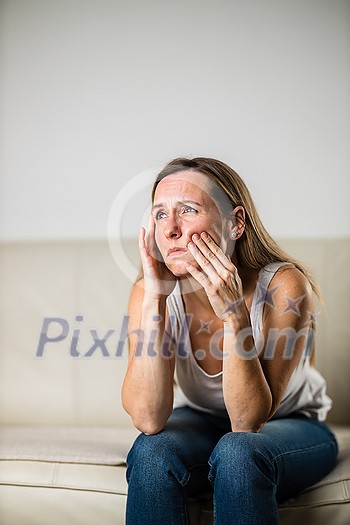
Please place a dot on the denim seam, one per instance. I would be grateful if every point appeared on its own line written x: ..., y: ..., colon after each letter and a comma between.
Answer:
x: 186, y: 476
x: 210, y: 476
x: 184, y: 509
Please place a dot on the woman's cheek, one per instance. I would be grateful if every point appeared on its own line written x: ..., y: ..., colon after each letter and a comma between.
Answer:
x: 196, y: 227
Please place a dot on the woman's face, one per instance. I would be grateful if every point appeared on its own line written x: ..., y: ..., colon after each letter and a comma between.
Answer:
x: 183, y: 206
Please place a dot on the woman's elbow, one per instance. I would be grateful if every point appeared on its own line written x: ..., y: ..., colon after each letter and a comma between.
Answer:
x: 145, y: 422
x: 243, y: 425
x: 148, y: 428
x: 246, y: 428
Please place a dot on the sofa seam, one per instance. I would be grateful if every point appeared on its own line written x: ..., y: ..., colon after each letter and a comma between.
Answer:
x: 63, y: 487
x: 314, y: 505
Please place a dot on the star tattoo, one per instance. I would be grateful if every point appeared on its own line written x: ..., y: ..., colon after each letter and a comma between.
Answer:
x: 205, y: 327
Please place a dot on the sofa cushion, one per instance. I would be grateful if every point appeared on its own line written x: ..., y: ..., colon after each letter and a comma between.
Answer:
x: 93, y: 459
x: 63, y: 474
x: 99, y: 446
x: 73, y: 476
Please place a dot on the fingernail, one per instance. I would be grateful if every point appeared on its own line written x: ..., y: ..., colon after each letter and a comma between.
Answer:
x: 195, y: 237
x: 190, y: 245
x: 204, y: 235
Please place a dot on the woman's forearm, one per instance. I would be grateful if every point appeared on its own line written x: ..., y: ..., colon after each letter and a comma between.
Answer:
x: 247, y: 395
x: 148, y: 392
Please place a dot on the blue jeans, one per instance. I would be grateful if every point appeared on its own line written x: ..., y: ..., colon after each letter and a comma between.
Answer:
x: 249, y: 473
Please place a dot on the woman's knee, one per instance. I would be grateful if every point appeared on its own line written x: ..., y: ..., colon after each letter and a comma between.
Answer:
x: 155, y: 458
x: 237, y: 452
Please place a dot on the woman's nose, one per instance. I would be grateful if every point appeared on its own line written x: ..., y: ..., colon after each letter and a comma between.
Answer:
x: 172, y: 229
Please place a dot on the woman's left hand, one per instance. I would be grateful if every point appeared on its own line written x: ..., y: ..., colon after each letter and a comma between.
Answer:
x: 218, y: 276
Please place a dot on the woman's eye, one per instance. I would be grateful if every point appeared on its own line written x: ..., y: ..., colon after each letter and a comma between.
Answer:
x: 189, y: 208
x: 159, y: 215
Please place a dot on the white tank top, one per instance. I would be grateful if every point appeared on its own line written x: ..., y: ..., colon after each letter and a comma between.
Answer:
x: 305, y: 392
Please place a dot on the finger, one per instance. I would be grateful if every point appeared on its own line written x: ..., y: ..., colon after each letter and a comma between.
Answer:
x: 217, y: 251
x: 150, y: 240
x: 203, y: 262
x: 143, y: 248
x: 151, y: 225
x: 212, y: 257
x: 199, y: 276
x: 208, y: 261
x: 141, y: 239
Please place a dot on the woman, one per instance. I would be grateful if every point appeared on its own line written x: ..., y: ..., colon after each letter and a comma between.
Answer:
x: 223, y: 310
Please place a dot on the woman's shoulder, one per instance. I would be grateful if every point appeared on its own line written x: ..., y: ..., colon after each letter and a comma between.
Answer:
x: 290, y: 299
x: 290, y: 287
x: 289, y: 276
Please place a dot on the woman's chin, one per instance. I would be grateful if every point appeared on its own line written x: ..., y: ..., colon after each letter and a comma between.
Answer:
x: 178, y: 268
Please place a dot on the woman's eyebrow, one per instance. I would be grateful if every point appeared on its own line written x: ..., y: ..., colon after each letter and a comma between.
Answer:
x: 160, y: 205
x: 189, y: 201
x: 184, y: 201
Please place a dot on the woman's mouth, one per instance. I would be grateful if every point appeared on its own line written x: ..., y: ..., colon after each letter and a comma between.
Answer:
x: 176, y: 252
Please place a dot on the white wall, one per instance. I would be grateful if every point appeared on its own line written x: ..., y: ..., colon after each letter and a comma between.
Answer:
x: 95, y: 92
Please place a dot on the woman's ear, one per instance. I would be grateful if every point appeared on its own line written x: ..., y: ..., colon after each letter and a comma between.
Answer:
x: 238, y: 222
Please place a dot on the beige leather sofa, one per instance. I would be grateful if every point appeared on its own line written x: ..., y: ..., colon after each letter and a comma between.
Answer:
x: 64, y: 436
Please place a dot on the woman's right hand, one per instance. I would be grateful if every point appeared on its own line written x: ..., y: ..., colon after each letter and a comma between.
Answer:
x: 159, y: 282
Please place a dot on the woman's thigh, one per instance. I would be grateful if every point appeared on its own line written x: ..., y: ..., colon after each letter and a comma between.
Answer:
x: 302, y: 450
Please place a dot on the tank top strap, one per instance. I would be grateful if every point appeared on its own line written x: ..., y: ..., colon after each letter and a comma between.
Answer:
x: 262, y: 295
